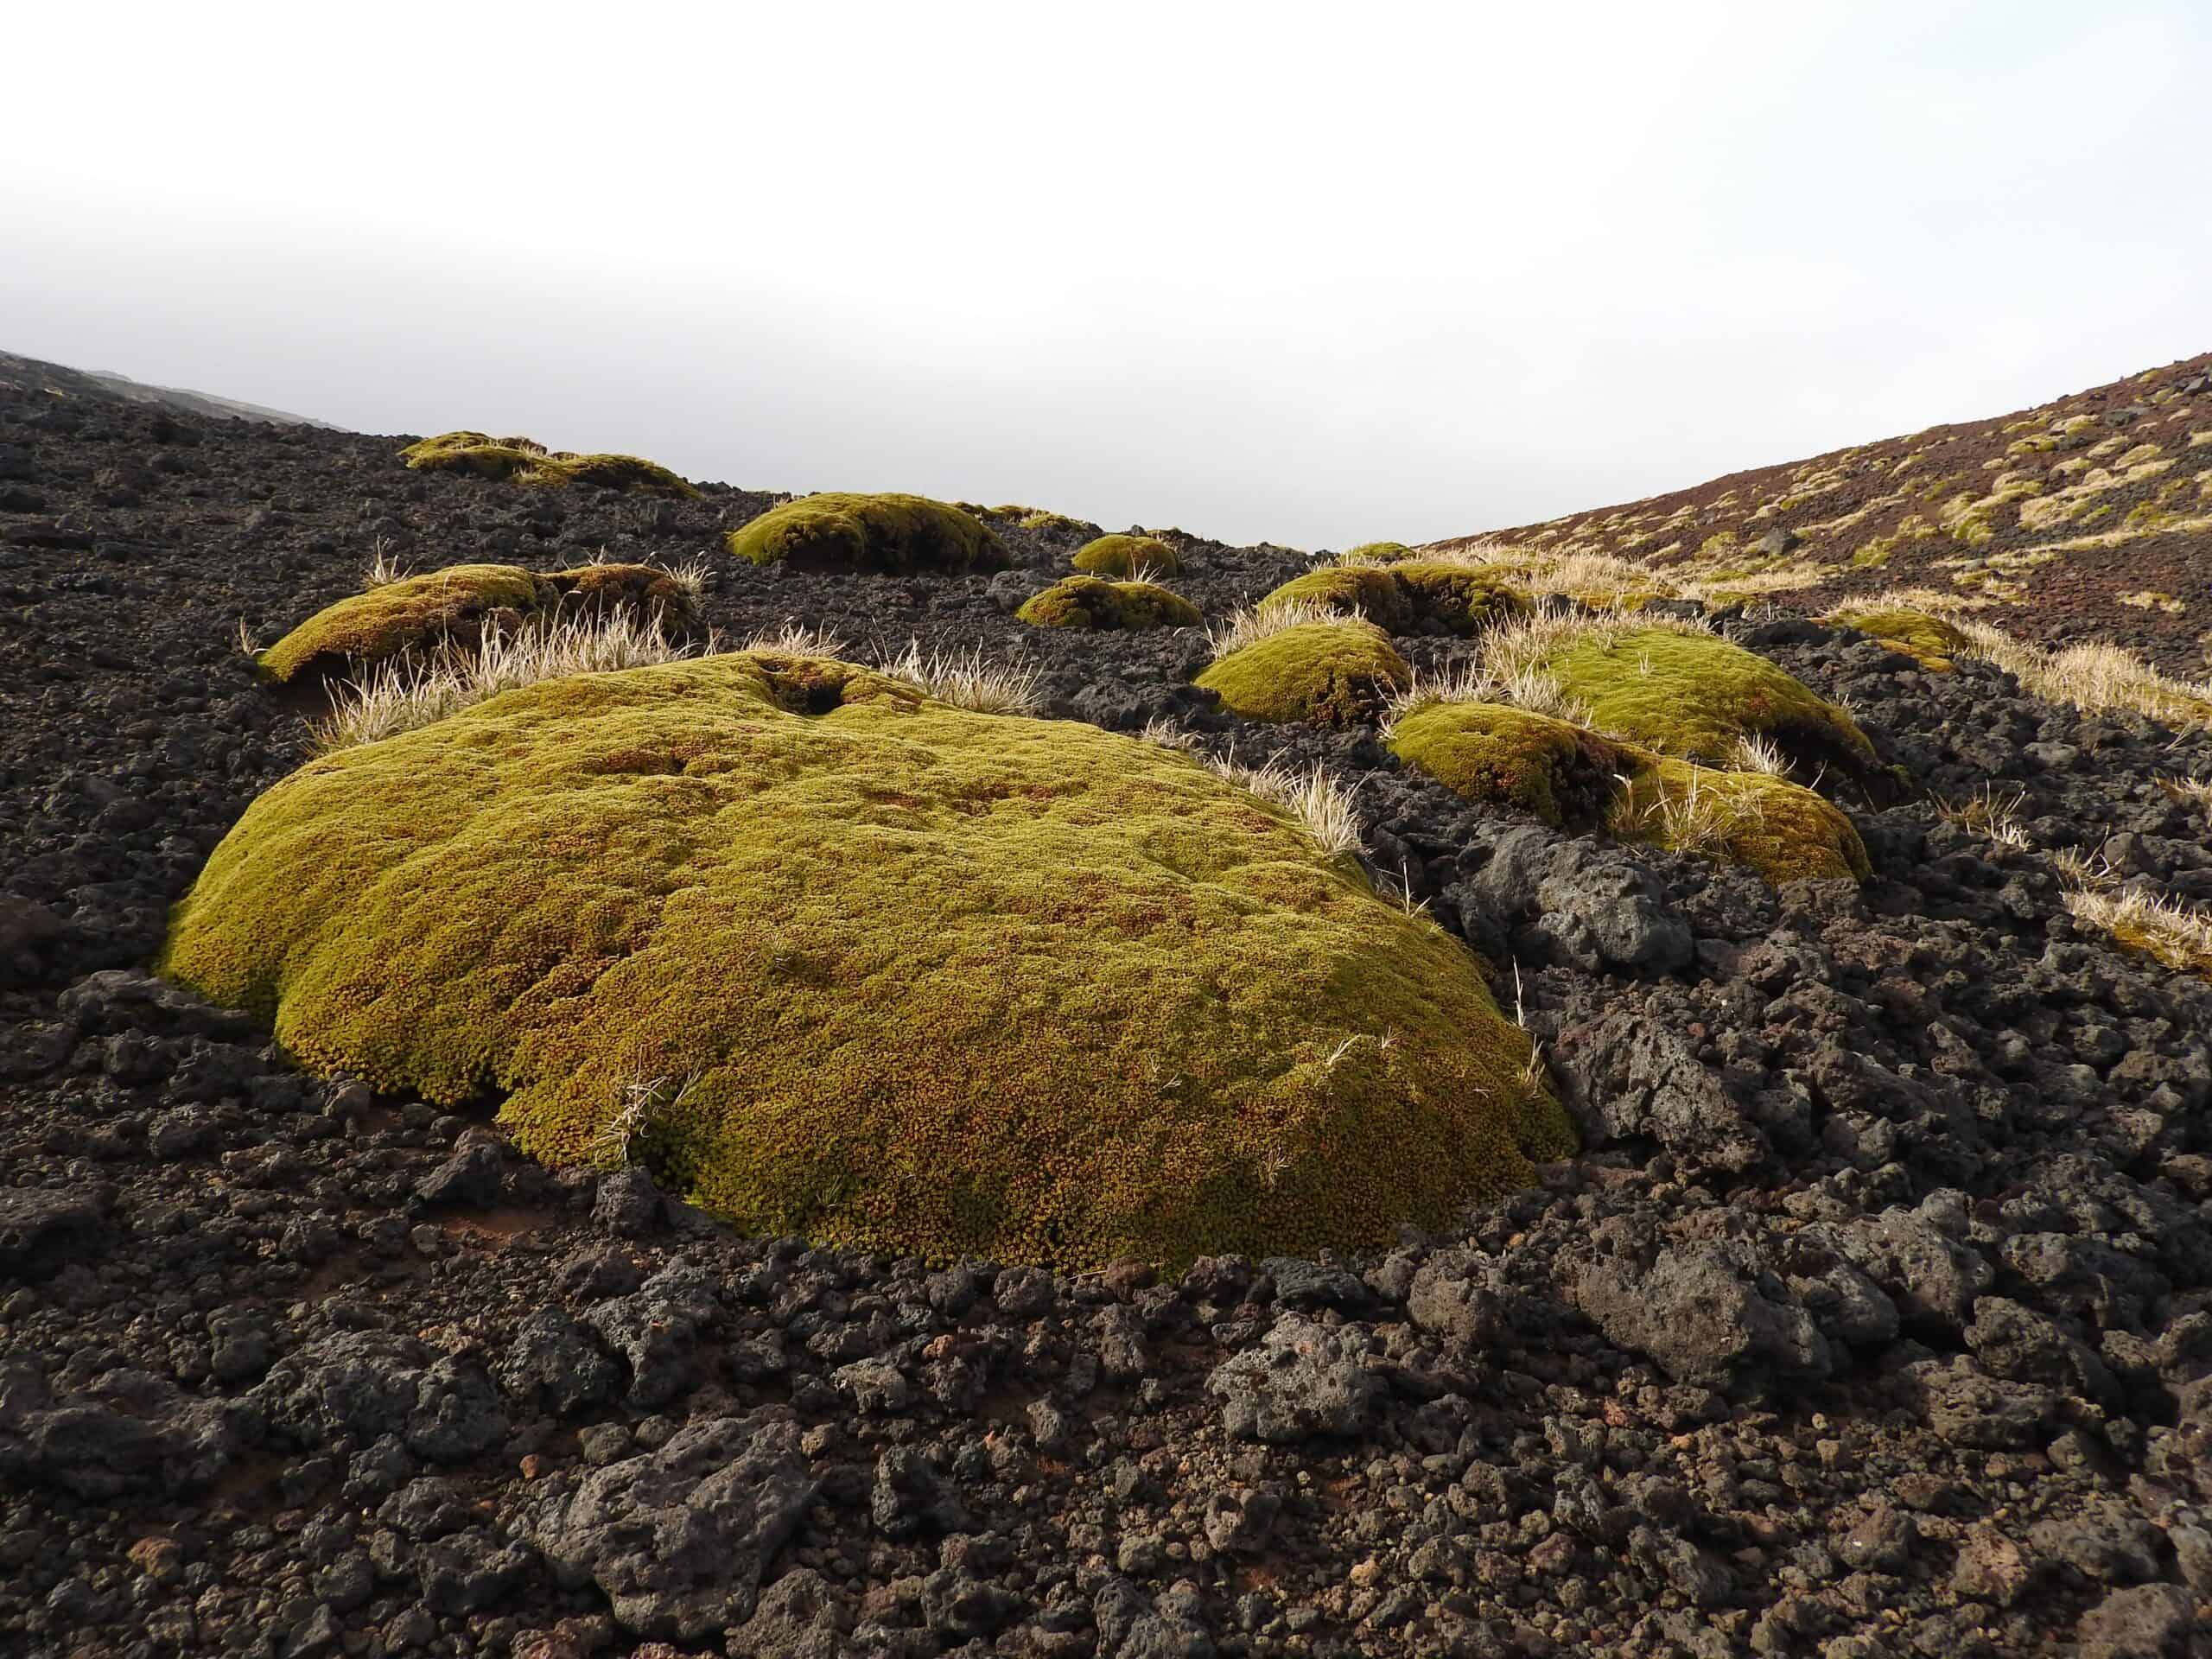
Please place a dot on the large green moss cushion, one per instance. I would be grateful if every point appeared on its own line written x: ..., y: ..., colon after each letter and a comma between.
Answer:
x: 890, y: 532
x: 1414, y: 596
x: 524, y: 461
x: 404, y: 615
x: 873, y: 970
x: 1135, y: 557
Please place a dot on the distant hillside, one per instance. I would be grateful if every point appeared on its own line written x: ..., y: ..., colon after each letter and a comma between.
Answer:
x: 2088, y: 516
x: 55, y: 380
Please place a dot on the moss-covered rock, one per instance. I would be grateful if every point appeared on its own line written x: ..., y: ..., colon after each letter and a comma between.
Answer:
x: 1574, y: 780
x: 1416, y: 596
x: 1091, y: 603
x: 419, y: 615
x: 412, y: 614
x: 527, y: 461
x: 1335, y: 673
x: 1918, y: 634
x: 1694, y: 695
x: 1376, y: 552
x: 837, y: 960
x: 892, y: 533
x: 1129, y: 557
x: 1503, y: 756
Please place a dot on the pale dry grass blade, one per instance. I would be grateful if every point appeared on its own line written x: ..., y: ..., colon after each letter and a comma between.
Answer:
x: 690, y: 576
x: 1991, y: 813
x: 1754, y: 752
x: 382, y: 569
x: 2176, y: 934
x: 797, y: 640
x: 1249, y: 624
x: 969, y: 679
x: 1311, y: 794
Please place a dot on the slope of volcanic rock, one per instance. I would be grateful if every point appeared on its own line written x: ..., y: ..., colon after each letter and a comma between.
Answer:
x: 2088, y: 517
x: 1875, y: 1317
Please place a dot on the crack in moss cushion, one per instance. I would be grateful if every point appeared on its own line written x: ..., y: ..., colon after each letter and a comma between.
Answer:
x: 1089, y: 602
x: 1574, y: 780
x: 1336, y: 673
x: 1417, y: 596
x: 1694, y: 695
x: 890, y: 532
x: 1129, y: 557
x: 915, y: 979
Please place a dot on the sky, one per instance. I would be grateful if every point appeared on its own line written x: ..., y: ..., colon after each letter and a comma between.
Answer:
x: 1306, y: 275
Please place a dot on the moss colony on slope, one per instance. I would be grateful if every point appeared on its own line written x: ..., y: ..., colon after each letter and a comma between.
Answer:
x: 1089, y: 602
x: 887, y: 974
x: 1418, y: 596
x: 523, y: 461
x: 1572, y: 778
x: 1695, y: 696
x: 1131, y: 556
x: 1333, y: 673
x: 892, y: 533
x: 1917, y: 634
x: 418, y: 614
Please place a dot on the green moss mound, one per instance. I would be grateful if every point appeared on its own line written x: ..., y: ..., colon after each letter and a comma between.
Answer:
x: 888, y: 533
x: 1574, y: 780
x: 413, y: 613
x: 1931, y: 639
x: 419, y: 614
x: 1490, y: 752
x: 1693, y: 695
x: 1090, y: 602
x: 837, y: 960
x: 1782, y: 831
x: 1379, y: 552
x: 644, y: 590
x: 1129, y: 557
x: 1418, y: 596
x: 524, y: 461
x: 1333, y: 673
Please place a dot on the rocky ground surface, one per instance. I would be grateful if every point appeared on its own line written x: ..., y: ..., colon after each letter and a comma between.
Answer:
x: 2086, y: 518
x: 1875, y: 1320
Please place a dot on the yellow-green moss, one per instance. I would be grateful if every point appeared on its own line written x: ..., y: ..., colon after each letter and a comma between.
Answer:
x: 890, y: 975
x: 1335, y: 673
x: 419, y: 614
x: 891, y: 532
x: 1129, y: 556
x: 1091, y: 603
x: 525, y: 460
x: 1378, y: 552
x: 1694, y: 695
x: 1490, y: 752
x: 410, y: 614
x: 1414, y: 596
x: 1917, y: 634
x: 1574, y: 779
x: 1781, y: 830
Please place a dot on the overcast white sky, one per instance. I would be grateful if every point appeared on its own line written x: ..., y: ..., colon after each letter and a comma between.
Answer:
x: 1312, y: 275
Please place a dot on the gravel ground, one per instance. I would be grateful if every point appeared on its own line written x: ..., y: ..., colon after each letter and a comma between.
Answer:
x: 1875, y: 1319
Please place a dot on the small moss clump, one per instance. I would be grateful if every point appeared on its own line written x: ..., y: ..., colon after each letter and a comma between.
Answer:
x: 1695, y: 696
x: 837, y: 960
x: 412, y: 613
x: 524, y: 461
x: 1129, y: 557
x: 890, y: 533
x: 1574, y: 780
x: 1416, y: 596
x: 1334, y: 673
x: 1916, y: 633
x: 1376, y: 553
x: 419, y: 615
x: 1490, y: 752
x: 1091, y: 603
